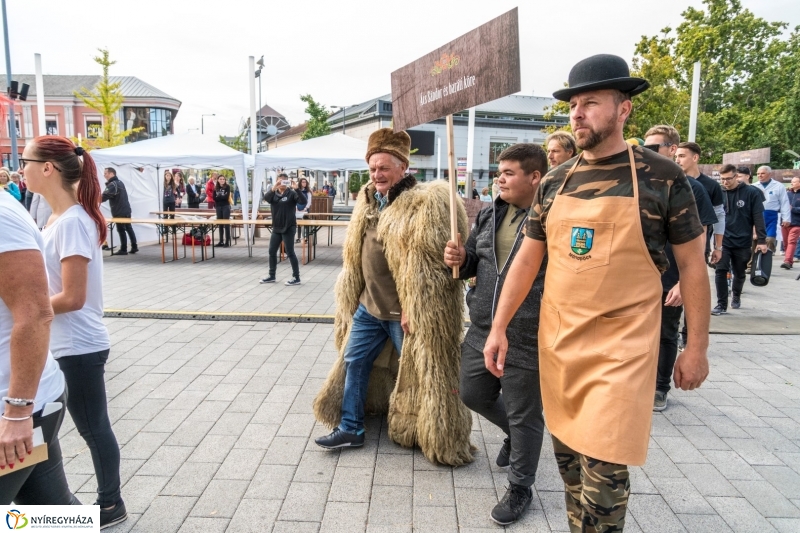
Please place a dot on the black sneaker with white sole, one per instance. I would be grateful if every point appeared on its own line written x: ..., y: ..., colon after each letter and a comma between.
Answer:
x: 113, y: 516
x: 719, y: 310
x: 293, y: 281
x: 513, y: 505
x: 736, y: 302
x: 269, y: 279
x: 340, y: 439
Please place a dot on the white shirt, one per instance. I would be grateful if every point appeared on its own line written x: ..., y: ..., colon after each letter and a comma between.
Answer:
x: 82, y: 331
x: 18, y: 232
x: 776, y: 198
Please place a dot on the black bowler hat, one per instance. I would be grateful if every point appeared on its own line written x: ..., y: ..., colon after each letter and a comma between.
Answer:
x: 603, y: 71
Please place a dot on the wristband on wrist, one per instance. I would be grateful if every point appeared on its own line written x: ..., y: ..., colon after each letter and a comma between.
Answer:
x: 16, y: 419
x: 18, y: 402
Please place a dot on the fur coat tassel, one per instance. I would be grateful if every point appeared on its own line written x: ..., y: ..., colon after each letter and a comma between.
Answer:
x: 419, y: 392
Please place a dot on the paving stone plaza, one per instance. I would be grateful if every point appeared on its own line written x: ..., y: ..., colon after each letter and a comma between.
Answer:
x: 216, y: 430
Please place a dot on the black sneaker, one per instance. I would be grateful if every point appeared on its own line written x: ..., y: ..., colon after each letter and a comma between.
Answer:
x: 719, y: 310
x: 270, y: 279
x: 293, y: 281
x: 660, y: 401
x: 113, y: 516
x: 786, y: 266
x: 504, y: 453
x: 121, y: 252
x: 134, y: 250
x: 513, y: 505
x: 340, y: 439
x: 736, y: 302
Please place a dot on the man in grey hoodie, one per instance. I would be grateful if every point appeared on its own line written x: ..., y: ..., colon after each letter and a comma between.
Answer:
x: 487, y: 257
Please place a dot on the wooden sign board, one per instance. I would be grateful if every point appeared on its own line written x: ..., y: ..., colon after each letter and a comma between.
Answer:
x: 478, y: 67
x: 748, y: 157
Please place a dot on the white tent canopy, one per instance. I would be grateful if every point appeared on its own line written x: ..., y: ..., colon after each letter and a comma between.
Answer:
x: 140, y: 167
x: 330, y: 152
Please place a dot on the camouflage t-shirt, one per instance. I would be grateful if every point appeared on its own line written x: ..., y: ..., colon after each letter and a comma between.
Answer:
x: 668, y: 209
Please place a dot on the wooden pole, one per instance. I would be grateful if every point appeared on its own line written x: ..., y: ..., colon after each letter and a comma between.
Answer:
x: 453, y: 176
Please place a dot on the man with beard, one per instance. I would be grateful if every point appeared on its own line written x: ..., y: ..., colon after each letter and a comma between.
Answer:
x: 604, y: 222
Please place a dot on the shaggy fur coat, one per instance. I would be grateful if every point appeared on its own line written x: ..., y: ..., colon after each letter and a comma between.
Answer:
x: 419, y: 392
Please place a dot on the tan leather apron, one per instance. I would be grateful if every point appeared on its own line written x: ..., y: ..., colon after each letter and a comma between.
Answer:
x: 599, y: 326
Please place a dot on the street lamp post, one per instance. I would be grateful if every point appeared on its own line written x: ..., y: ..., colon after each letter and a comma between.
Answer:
x: 12, y: 117
x: 260, y: 64
x: 202, y: 125
x: 344, y: 115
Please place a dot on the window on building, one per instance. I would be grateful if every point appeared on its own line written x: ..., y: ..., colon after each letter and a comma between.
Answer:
x: 94, y: 128
x: 51, y: 125
x: 495, y: 149
x: 152, y: 121
x: 19, y: 131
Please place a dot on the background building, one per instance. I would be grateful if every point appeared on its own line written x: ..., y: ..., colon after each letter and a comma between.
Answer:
x: 145, y: 106
x: 498, y: 125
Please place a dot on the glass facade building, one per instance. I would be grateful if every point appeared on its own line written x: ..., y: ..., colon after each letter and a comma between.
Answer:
x: 154, y: 121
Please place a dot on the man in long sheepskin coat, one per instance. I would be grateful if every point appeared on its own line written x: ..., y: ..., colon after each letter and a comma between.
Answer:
x: 394, y: 296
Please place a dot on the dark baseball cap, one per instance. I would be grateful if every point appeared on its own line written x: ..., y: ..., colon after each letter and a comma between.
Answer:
x: 743, y: 170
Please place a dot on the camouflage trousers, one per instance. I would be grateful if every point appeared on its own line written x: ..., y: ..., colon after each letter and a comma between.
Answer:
x: 596, y: 492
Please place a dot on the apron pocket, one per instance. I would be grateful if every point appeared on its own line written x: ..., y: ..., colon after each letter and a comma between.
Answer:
x: 622, y: 337
x: 549, y: 324
x: 582, y: 245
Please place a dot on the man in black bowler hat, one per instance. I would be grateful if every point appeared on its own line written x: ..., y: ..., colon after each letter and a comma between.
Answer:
x: 604, y: 219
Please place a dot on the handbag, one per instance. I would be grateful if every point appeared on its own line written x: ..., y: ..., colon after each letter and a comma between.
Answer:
x: 762, y: 269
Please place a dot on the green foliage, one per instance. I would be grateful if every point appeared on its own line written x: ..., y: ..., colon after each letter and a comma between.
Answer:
x: 358, y: 179
x: 107, y: 99
x: 749, y: 90
x: 240, y: 142
x: 318, y: 123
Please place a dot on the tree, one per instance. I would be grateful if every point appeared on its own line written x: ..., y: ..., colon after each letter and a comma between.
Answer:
x: 240, y: 142
x: 318, y: 123
x: 106, y: 98
x: 748, y: 80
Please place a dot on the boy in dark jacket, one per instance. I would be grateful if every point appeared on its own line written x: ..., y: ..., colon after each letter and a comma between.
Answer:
x: 487, y: 256
x: 282, y: 200
x: 117, y: 197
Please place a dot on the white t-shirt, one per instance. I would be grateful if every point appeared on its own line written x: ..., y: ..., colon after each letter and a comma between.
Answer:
x: 18, y: 232
x: 82, y: 331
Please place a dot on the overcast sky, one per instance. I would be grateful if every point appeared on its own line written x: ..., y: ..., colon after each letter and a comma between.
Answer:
x: 341, y: 52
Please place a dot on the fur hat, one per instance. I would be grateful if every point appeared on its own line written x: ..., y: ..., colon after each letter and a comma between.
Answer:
x: 387, y: 141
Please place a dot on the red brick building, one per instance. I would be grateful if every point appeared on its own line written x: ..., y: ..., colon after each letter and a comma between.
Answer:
x: 145, y: 106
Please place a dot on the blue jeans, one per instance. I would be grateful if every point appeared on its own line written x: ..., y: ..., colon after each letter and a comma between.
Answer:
x: 368, y: 336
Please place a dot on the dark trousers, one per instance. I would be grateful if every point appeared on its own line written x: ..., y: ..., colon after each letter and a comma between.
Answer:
x: 44, y: 483
x: 668, y: 351
x: 124, y: 231
x: 224, y: 213
x: 88, y: 407
x: 287, y: 238
x: 517, y: 410
x: 171, y: 208
x: 733, y: 260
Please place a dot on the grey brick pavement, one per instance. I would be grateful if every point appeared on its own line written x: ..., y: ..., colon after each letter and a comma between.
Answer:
x: 216, y: 432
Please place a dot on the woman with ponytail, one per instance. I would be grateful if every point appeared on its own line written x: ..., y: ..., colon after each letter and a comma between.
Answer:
x: 66, y: 176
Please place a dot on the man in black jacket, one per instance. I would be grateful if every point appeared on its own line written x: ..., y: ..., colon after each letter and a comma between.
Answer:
x: 117, y: 198
x: 744, y: 209
x: 282, y: 200
x: 487, y: 256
